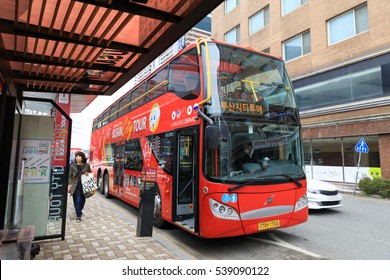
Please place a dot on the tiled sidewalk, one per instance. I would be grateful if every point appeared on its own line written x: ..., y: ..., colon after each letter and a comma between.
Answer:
x: 103, y: 234
x: 106, y: 233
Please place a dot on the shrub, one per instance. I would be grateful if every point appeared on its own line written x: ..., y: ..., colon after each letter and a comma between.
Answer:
x: 376, y: 186
x: 368, y: 187
x: 385, y: 189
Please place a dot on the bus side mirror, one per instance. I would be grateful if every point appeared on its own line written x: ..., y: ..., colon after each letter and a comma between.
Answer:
x: 211, y: 137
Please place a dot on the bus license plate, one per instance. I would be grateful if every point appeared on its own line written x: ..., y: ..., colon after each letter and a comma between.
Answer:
x: 268, y: 225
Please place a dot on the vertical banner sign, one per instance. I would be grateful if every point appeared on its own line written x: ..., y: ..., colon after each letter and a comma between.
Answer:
x: 59, y: 160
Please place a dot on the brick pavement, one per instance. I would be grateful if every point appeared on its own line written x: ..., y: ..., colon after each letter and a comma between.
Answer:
x: 104, y: 233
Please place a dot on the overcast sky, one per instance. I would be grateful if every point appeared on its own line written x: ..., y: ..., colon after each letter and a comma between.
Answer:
x: 82, y: 122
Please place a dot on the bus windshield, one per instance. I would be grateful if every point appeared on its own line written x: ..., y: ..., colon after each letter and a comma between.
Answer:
x: 253, y: 150
x: 247, y: 83
x: 253, y: 106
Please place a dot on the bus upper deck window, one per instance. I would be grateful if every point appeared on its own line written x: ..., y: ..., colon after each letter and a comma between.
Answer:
x: 191, y: 80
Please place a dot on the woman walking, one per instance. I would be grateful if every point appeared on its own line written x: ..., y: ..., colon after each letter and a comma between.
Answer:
x: 79, y: 166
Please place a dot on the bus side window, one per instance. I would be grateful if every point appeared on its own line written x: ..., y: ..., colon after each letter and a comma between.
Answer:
x: 192, y: 82
x: 186, y: 87
x: 157, y: 84
x: 184, y: 75
x: 113, y: 112
x: 124, y: 105
x: 105, y: 118
x: 163, y: 151
x: 137, y: 96
x: 133, y: 155
x: 151, y: 85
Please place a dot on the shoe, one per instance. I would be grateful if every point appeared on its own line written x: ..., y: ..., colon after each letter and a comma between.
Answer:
x: 78, y: 219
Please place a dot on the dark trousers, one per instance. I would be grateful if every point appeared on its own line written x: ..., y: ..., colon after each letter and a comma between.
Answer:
x: 79, y: 202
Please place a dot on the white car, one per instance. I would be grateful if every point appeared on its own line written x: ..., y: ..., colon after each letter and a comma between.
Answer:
x: 323, y: 195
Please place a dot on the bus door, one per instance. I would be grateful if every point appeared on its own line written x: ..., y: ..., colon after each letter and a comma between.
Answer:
x: 119, y: 168
x: 185, y: 178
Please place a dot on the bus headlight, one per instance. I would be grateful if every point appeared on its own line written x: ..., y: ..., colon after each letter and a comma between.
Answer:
x: 301, y: 203
x: 223, y: 211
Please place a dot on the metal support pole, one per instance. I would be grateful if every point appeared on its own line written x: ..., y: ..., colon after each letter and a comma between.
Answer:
x: 357, y: 172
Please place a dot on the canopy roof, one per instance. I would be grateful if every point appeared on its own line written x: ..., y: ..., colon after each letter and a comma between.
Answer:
x: 88, y: 47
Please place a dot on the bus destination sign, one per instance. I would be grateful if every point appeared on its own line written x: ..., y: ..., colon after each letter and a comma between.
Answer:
x: 241, y: 107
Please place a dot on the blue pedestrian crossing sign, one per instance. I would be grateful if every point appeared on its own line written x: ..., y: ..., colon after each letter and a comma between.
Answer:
x: 361, y: 146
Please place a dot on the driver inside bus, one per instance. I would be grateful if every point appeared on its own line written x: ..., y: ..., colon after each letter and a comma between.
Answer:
x: 249, y: 156
x: 250, y: 161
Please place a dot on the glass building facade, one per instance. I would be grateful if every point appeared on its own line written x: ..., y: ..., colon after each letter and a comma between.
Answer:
x: 363, y: 80
x: 335, y: 159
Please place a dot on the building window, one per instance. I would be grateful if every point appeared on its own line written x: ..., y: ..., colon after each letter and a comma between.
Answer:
x: 297, y: 46
x: 290, y: 5
x: 233, y: 36
x: 342, y: 86
x: 335, y: 159
x: 348, y: 24
x: 370, y: 159
x: 259, y: 20
x: 230, y: 5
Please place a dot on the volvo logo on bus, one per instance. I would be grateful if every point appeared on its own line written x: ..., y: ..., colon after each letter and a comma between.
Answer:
x: 269, y: 200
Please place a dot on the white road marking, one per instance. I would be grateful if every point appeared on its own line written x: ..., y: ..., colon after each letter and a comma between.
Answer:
x: 280, y: 242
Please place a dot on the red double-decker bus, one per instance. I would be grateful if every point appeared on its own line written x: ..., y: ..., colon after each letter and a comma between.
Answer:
x: 216, y: 132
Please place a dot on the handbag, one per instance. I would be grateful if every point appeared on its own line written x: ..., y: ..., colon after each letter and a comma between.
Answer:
x: 89, y: 185
x: 89, y: 194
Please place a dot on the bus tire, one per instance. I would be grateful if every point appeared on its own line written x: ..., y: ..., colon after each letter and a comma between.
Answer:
x: 158, y: 221
x: 100, y: 182
x: 106, y: 186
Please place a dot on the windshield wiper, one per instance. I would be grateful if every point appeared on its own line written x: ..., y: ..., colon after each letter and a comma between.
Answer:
x: 243, y: 184
x: 252, y: 182
x: 291, y: 179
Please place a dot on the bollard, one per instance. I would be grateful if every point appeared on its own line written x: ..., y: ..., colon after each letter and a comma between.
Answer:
x: 145, y: 213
